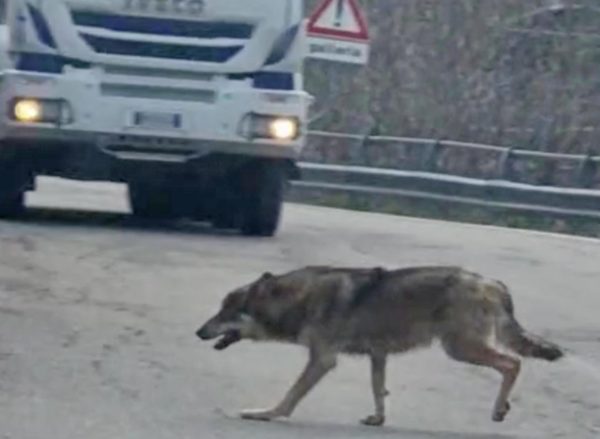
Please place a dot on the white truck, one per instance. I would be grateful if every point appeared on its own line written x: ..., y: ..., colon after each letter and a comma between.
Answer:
x: 197, y: 105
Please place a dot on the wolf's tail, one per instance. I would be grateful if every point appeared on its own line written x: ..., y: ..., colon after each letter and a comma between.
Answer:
x: 512, y: 335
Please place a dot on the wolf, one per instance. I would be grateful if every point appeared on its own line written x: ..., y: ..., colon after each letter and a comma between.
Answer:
x: 378, y: 312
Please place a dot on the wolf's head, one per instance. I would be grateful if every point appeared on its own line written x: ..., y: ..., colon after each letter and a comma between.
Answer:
x: 237, y: 318
x: 280, y: 308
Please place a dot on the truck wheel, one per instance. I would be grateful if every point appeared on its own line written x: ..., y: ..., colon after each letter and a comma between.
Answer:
x: 262, y: 199
x: 12, y: 203
x: 151, y: 201
x: 225, y: 211
x: 224, y: 218
x: 13, y: 184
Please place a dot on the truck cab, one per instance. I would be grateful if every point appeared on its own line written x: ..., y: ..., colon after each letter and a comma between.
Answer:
x: 197, y: 105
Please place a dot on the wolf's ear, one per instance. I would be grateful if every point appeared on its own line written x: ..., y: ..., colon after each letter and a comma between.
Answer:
x: 267, y: 276
x: 378, y: 273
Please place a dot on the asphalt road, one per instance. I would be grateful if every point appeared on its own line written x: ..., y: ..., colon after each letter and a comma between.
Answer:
x: 98, y: 313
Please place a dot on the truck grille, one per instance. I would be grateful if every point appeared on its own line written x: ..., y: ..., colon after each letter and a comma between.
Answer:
x: 205, y: 41
x: 161, y: 50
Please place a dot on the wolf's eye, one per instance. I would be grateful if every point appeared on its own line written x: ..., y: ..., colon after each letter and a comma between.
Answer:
x: 244, y: 317
x: 236, y: 317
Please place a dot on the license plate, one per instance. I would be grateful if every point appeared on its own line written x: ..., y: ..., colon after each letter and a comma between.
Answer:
x: 157, y: 120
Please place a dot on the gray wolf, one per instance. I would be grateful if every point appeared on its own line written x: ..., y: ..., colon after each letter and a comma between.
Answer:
x: 378, y: 312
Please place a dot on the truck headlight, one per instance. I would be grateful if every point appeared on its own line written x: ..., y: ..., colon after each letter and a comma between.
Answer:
x: 30, y: 110
x: 27, y: 110
x: 283, y: 128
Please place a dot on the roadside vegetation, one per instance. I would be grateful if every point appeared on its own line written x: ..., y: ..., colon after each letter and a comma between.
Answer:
x: 515, y: 73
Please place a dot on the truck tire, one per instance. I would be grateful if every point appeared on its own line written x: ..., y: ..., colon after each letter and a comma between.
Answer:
x: 13, y: 183
x: 262, y: 198
x: 224, y: 218
x: 225, y: 211
x: 12, y: 203
x: 151, y: 201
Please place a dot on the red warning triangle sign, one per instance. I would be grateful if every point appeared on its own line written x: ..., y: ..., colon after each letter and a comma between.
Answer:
x: 339, y: 19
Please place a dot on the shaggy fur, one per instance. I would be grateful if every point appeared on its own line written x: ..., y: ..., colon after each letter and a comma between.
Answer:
x: 376, y: 312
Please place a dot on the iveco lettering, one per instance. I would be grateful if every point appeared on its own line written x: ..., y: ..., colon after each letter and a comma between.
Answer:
x: 192, y: 7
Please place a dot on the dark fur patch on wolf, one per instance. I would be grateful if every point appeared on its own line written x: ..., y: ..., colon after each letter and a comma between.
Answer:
x: 288, y: 325
x: 366, y: 290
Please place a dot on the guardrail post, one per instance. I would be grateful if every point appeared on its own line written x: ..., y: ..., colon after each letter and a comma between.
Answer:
x: 429, y: 161
x: 506, y: 170
x: 364, y: 146
x: 364, y: 150
x: 586, y: 172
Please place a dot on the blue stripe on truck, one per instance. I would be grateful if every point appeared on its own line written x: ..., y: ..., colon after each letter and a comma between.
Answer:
x: 42, y: 29
x: 273, y: 81
x: 267, y: 80
x: 282, y: 45
x: 44, y: 63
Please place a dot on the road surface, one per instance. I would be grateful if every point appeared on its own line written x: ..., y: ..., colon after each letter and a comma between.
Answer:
x: 98, y: 314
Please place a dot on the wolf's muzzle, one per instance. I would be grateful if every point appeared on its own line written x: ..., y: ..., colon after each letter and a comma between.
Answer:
x: 204, y: 334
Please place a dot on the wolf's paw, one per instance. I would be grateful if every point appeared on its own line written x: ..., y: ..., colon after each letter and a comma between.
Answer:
x: 260, y: 415
x: 374, y: 421
x: 500, y: 413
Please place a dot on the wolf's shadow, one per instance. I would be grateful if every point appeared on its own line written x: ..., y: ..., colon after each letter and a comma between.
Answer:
x: 306, y: 429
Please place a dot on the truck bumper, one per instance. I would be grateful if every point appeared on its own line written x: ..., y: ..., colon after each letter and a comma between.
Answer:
x: 156, y: 120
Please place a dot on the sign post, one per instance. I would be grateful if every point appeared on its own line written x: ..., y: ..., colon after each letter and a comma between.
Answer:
x: 337, y: 31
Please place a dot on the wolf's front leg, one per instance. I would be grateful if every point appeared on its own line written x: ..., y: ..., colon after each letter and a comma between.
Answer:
x: 320, y: 362
x: 378, y: 362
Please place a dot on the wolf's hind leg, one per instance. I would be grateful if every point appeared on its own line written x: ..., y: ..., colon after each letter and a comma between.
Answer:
x: 378, y: 363
x: 477, y: 352
x: 321, y: 361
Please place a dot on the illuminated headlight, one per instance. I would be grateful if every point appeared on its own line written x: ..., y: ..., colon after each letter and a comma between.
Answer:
x: 29, y: 110
x: 283, y: 128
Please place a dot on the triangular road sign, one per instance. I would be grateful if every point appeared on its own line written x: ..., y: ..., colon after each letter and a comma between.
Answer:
x: 339, y: 19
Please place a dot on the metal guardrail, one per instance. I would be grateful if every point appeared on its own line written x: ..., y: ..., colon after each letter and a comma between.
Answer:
x: 431, y: 149
x: 450, y: 143
x: 425, y: 182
